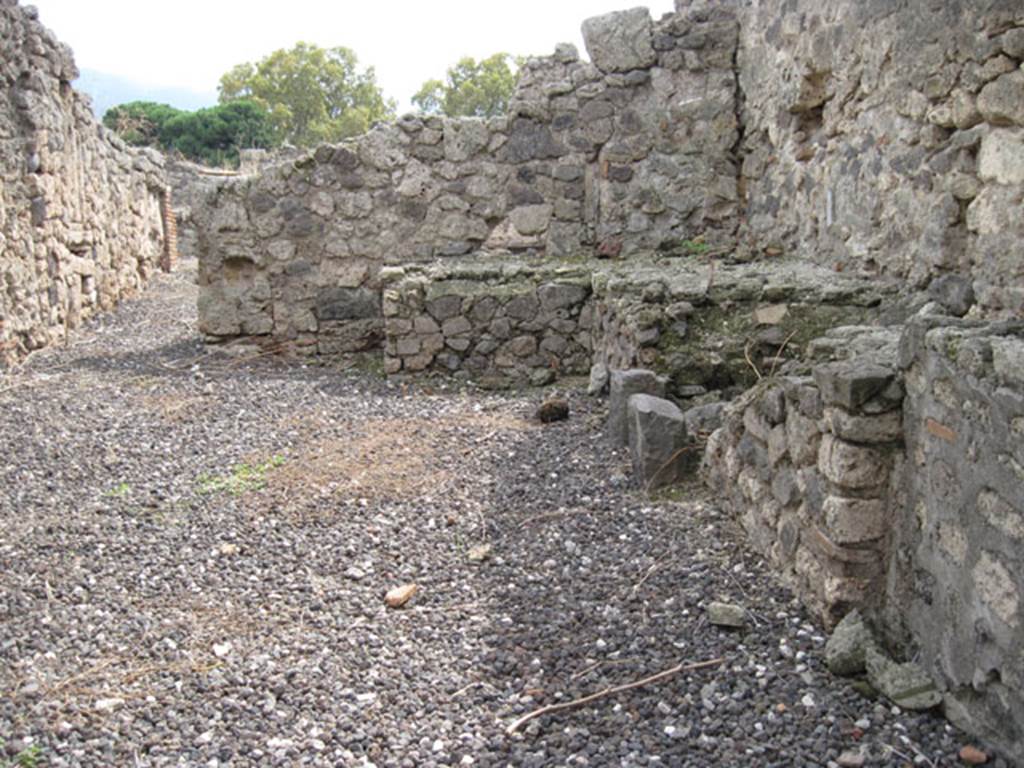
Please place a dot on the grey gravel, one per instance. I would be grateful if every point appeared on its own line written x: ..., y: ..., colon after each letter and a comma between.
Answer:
x: 196, y: 546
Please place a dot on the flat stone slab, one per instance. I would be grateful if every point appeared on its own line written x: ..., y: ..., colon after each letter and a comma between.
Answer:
x: 906, y: 685
x: 851, y: 383
x: 727, y: 615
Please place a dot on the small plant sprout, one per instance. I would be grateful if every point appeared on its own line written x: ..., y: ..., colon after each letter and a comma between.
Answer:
x: 242, y: 478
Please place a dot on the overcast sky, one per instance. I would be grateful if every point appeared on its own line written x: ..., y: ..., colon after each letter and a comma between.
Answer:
x: 191, y: 43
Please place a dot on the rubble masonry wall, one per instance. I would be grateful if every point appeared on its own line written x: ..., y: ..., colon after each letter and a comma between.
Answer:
x: 82, y: 217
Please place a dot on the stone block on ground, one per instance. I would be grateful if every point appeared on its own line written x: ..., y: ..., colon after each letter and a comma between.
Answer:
x: 621, y: 386
x: 657, y: 441
x: 847, y: 648
x: 598, y: 379
x: 726, y: 615
x: 905, y: 685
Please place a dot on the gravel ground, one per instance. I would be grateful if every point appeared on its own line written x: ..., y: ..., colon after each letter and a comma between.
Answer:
x: 196, y: 546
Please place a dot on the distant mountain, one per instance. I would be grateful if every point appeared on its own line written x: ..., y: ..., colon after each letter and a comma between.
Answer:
x: 110, y: 90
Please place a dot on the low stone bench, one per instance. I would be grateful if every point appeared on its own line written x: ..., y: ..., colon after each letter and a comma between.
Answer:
x: 499, y: 321
x: 708, y: 327
x: 721, y: 326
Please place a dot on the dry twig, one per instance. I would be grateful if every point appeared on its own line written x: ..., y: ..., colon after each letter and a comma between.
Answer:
x: 650, y: 572
x: 602, y: 663
x: 778, y: 354
x: 668, y: 463
x: 549, y: 709
x: 746, y: 356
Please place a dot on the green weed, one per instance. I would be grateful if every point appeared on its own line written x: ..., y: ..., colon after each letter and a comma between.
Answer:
x: 27, y: 758
x: 242, y: 478
x: 119, y: 491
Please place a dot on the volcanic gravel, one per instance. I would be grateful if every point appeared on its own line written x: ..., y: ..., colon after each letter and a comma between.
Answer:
x: 196, y: 544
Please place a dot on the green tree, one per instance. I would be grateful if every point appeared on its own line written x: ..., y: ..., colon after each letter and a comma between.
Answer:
x: 312, y: 94
x: 214, y: 135
x: 471, y: 88
x: 140, y: 122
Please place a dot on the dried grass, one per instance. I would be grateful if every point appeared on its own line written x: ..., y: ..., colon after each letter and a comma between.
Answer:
x: 77, y: 684
x: 387, y: 458
x: 174, y: 407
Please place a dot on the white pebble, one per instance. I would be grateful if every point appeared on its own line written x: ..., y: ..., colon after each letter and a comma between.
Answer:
x: 220, y: 650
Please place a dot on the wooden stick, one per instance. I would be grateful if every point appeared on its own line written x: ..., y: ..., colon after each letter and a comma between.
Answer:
x: 746, y: 355
x: 668, y: 463
x: 650, y: 571
x: 604, y: 662
x: 778, y: 354
x: 515, y: 726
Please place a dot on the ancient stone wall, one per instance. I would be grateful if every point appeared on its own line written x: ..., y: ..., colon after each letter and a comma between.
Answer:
x: 496, y: 324
x: 629, y: 153
x: 81, y: 215
x: 714, y: 329
x: 812, y: 467
x: 890, y: 480
x: 956, y: 576
x: 192, y: 184
x: 887, y: 137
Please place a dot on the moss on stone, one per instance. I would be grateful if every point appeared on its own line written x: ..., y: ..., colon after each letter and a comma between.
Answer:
x: 714, y: 351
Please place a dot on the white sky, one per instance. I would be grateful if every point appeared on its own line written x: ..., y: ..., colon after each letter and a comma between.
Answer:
x: 191, y: 43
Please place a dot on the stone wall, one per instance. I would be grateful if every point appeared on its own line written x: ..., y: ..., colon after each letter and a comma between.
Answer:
x: 81, y: 215
x: 956, y: 576
x: 866, y: 137
x: 811, y: 466
x: 629, y: 153
x: 497, y: 324
x: 887, y: 137
x: 711, y: 329
x: 890, y: 480
x: 192, y: 185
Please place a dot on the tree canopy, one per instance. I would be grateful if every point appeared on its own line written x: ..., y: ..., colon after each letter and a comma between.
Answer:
x: 215, y: 135
x: 471, y: 88
x: 212, y: 136
x: 311, y: 94
x: 140, y: 122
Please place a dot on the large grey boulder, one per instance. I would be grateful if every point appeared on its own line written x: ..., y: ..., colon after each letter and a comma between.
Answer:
x: 620, y: 41
x: 1001, y: 102
x: 657, y: 441
x: 621, y: 386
